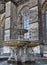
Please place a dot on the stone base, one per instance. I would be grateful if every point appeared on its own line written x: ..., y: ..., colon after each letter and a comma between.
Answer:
x: 29, y: 62
x: 12, y: 61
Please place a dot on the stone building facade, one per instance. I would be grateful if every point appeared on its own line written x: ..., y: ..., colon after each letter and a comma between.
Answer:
x: 27, y: 15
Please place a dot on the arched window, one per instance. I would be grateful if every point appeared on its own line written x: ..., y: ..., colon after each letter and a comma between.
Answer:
x: 27, y: 26
x: 24, y: 19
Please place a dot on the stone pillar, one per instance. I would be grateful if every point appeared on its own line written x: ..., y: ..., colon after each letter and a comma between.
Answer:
x: 43, y: 20
x: 18, y: 54
x: 40, y: 22
x: 10, y: 22
x: 11, y: 56
x: 1, y: 37
x: 15, y: 53
x: 25, y: 57
x: 0, y: 28
x: 44, y: 33
x: 40, y: 27
x: 10, y: 25
x: 41, y: 50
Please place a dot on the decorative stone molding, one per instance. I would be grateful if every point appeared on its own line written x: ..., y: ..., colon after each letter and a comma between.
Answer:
x: 44, y: 6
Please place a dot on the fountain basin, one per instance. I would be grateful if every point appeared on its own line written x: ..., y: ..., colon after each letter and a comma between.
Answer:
x: 14, y: 43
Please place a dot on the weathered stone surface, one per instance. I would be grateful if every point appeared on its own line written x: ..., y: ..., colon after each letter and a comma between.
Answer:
x: 29, y: 4
x: 1, y: 7
x: 1, y: 27
x: 11, y: 17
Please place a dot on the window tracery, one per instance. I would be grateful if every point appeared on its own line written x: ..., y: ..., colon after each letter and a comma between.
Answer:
x: 24, y: 20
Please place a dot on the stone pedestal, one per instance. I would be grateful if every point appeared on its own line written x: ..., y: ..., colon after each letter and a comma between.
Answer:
x: 13, y: 56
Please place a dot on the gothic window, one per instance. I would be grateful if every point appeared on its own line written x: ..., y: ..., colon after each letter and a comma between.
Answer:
x: 34, y: 30
x: 25, y: 19
x: 27, y: 26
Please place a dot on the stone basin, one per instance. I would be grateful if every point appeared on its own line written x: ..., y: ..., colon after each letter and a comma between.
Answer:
x: 14, y: 43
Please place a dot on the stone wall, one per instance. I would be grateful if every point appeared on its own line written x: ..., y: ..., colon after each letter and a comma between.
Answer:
x: 11, y: 17
x: 1, y: 7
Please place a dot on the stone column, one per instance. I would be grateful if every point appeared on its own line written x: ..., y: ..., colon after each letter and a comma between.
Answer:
x: 1, y: 37
x: 25, y: 57
x: 15, y: 53
x: 40, y: 27
x: 10, y: 22
x: 18, y: 54
x: 11, y: 56
x: 40, y: 22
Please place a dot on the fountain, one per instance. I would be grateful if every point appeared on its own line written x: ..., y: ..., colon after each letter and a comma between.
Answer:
x: 15, y: 44
x: 18, y: 44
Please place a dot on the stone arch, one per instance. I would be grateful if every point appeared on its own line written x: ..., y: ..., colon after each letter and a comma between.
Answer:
x: 23, y: 8
x: 44, y: 7
x: 43, y: 10
x: 2, y: 21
